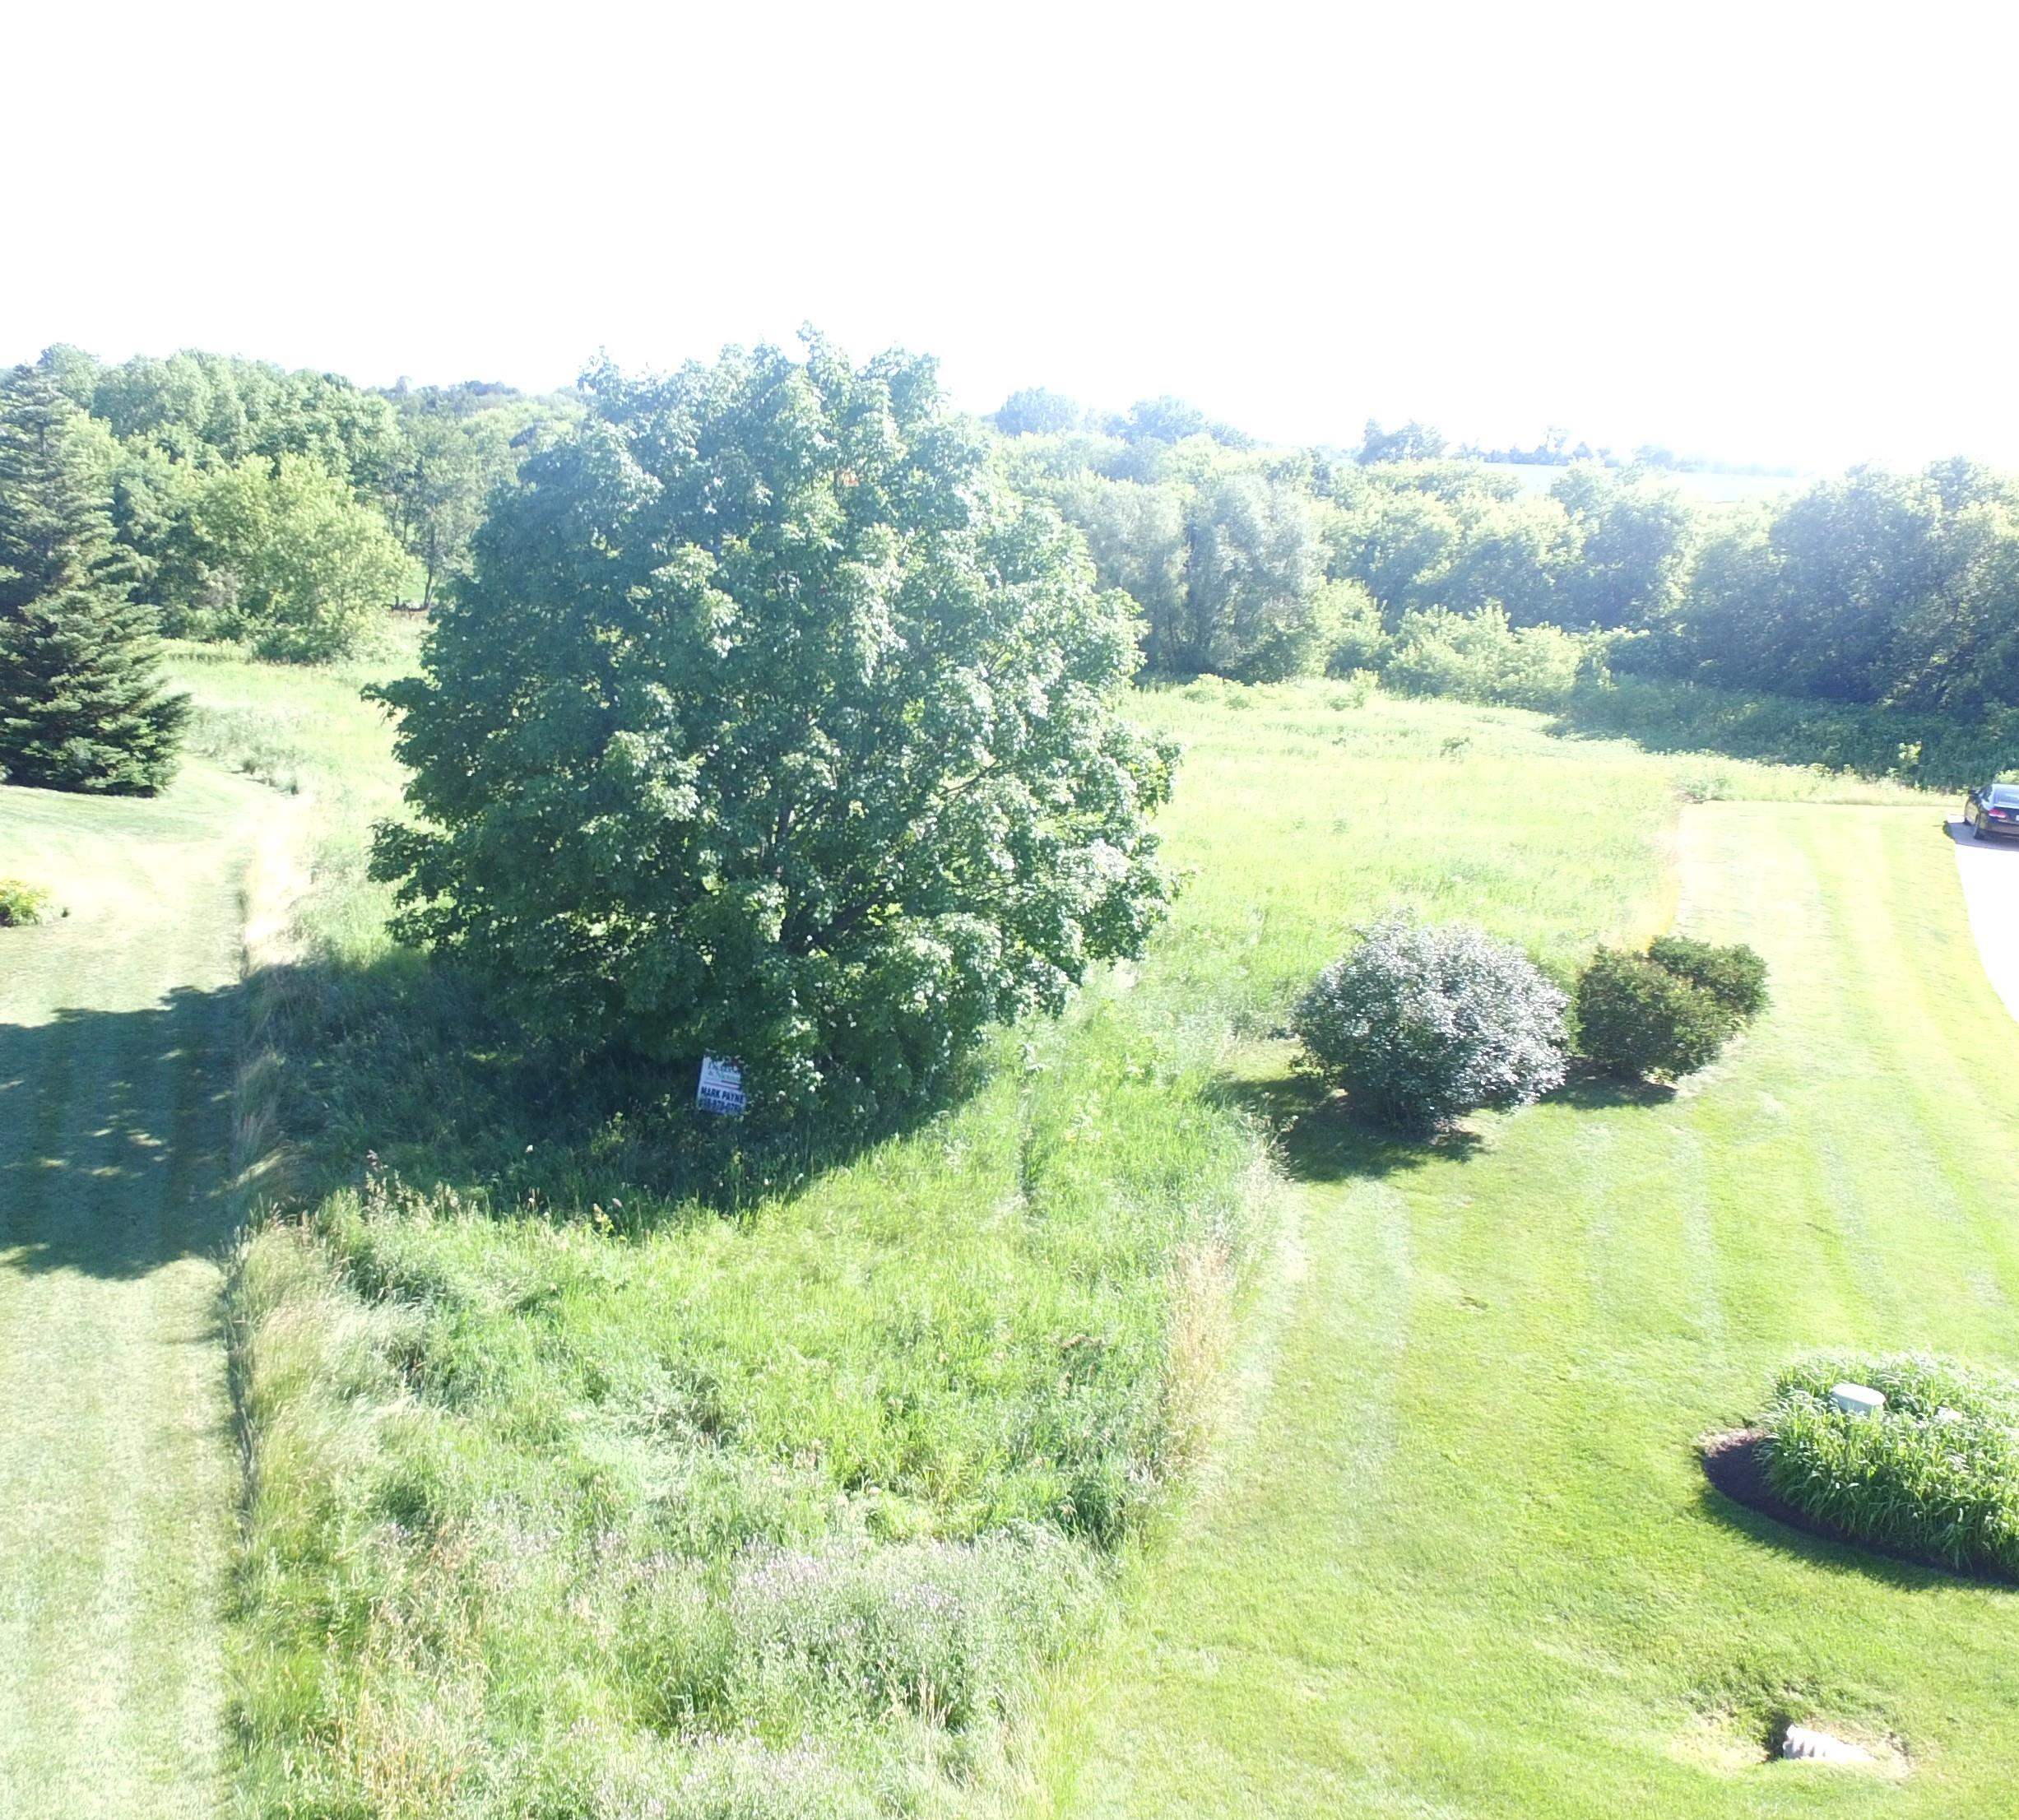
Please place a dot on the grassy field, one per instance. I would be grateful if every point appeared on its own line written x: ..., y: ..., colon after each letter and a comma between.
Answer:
x: 818, y: 1456
x: 119, y: 1031
x: 1458, y: 1559
x: 602, y: 1464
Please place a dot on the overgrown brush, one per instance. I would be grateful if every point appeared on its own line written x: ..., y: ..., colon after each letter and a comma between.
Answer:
x: 1935, y: 1474
x: 655, y: 1468
x: 1936, y: 752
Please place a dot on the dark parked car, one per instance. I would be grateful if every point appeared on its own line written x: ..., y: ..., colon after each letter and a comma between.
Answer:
x: 1993, y: 809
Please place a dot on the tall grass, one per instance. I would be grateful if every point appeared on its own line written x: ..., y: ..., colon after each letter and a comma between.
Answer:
x: 598, y: 1461
x: 1934, y: 1474
x: 603, y: 1461
x: 1931, y: 750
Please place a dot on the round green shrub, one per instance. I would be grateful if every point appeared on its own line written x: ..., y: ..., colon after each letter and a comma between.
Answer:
x: 1636, y: 1020
x: 1735, y: 976
x: 1422, y: 1024
x: 1935, y: 1474
x: 21, y: 904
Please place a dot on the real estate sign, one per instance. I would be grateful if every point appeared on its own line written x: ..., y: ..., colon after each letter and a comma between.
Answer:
x: 721, y: 1086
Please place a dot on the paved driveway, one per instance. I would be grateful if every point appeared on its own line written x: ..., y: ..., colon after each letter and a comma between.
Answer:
x: 1990, y: 872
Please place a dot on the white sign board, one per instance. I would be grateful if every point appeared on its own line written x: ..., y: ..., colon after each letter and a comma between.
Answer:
x: 721, y: 1086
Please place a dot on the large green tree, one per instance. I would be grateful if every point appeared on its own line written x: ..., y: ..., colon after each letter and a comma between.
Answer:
x: 283, y: 557
x: 82, y: 706
x: 446, y: 471
x: 768, y: 724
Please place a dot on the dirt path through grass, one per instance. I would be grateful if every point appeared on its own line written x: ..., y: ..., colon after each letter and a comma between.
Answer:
x: 1463, y: 1562
x: 118, y: 1029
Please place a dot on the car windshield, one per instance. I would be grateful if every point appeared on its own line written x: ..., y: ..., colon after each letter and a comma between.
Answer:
x: 2003, y: 796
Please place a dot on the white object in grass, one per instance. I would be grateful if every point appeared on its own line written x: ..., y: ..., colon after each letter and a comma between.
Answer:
x: 1803, y: 1745
x: 721, y: 1086
x: 1858, y: 1399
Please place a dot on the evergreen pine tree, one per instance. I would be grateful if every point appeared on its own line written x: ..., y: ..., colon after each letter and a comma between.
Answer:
x: 82, y: 705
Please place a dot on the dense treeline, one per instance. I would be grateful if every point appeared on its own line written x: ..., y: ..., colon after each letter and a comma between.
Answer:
x: 1879, y: 588
x: 288, y: 510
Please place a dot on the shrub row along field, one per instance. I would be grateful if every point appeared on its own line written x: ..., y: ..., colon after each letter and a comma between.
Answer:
x: 573, y: 1491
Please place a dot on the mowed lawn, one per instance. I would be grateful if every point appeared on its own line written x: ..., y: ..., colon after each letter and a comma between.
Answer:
x: 118, y: 1028
x: 1457, y: 1557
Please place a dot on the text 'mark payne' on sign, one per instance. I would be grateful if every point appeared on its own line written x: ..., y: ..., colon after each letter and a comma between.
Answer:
x: 721, y: 1086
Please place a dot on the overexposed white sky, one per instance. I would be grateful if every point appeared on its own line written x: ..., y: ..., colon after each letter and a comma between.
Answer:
x: 1763, y: 231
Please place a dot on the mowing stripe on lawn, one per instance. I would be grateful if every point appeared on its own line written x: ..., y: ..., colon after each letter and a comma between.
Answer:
x: 1467, y: 1564
x: 117, y: 1031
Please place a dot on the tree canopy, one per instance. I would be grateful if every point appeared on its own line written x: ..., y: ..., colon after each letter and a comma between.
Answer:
x: 770, y: 724
x: 82, y: 706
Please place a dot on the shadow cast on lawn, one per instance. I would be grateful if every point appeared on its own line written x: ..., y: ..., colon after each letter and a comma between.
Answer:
x: 408, y: 1065
x: 1834, y: 1554
x: 115, y: 1135
x: 1320, y: 1138
x: 1591, y: 1090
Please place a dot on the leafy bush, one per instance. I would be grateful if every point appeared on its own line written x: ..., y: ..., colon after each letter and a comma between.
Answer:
x: 1637, y: 1019
x: 770, y: 725
x: 1735, y: 976
x: 1935, y: 750
x: 1352, y: 620
x: 1480, y: 657
x: 1667, y: 1012
x: 1935, y: 1474
x: 21, y: 904
x: 1422, y: 1024
x: 287, y: 561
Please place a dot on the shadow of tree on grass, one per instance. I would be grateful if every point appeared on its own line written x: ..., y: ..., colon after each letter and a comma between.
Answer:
x: 115, y: 1135
x: 1319, y: 1137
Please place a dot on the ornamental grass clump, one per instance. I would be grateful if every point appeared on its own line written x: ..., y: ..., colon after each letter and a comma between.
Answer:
x: 1422, y: 1024
x: 1935, y: 1474
x: 21, y: 904
x: 1667, y: 1012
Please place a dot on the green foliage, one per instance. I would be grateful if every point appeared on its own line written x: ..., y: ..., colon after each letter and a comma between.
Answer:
x: 21, y: 904
x: 82, y: 706
x: 1636, y: 1020
x: 1224, y: 559
x: 1480, y: 657
x: 1168, y: 420
x: 1880, y: 587
x: 767, y: 726
x: 1410, y: 442
x: 1735, y: 976
x: 1935, y: 1474
x: 1935, y: 751
x: 1035, y: 411
x: 287, y: 562
x: 1670, y: 1011
x: 1634, y: 540
x: 208, y: 410
x: 1352, y: 618
x: 1422, y: 1024
x: 1254, y: 611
